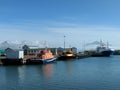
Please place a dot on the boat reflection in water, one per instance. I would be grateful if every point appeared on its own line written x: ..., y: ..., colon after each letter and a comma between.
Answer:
x: 69, y: 66
x: 47, y: 70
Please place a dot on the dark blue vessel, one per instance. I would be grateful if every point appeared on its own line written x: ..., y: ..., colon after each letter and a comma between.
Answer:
x: 103, y: 50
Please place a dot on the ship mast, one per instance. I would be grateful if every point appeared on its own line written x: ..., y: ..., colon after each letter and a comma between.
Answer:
x: 107, y: 45
x: 64, y: 42
x: 45, y: 45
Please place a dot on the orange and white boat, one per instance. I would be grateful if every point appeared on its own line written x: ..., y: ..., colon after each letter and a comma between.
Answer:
x: 45, y: 56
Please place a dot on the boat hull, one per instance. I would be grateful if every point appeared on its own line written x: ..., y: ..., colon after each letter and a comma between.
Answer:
x: 39, y: 61
x: 103, y: 54
x: 48, y: 60
x: 66, y: 57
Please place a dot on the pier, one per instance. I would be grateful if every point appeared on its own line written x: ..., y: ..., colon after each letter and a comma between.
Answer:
x: 82, y: 56
x: 27, y: 58
x: 5, y: 61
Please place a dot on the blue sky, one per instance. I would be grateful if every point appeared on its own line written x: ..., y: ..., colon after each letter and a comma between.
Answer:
x: 49, y: 20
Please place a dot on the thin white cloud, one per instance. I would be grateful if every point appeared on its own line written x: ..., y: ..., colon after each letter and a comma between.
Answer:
x: 90, y: 34
x: 53, y: 33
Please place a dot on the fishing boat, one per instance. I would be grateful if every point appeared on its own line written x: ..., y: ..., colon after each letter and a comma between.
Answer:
x: 44, y: 57
x: 103, y: 50
x: 67, y: 55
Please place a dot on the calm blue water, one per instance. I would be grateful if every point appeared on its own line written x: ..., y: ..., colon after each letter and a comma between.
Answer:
x: 101, y: 73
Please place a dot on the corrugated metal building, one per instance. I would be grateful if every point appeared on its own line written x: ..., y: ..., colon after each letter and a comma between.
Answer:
x: 14, y: 54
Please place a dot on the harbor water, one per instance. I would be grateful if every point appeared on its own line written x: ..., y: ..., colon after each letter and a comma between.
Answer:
x: 94, y: 73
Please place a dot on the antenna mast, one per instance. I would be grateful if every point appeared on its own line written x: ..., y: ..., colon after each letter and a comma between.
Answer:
x: 64, y: 42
